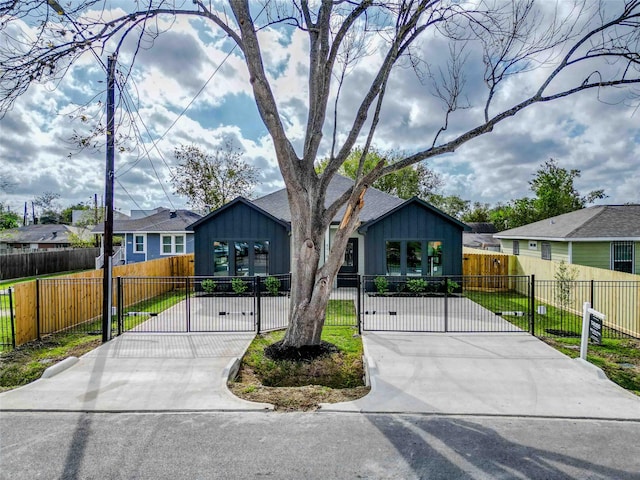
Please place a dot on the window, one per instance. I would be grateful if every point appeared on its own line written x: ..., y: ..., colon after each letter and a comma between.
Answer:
x: 546, y: 251
x: 393, y: 258
x: 139, y: 243
x: 414, y: 258
x: 622, y: 256
x: 261, y: 261
x: 435, y: 258
x: 242, y: 258
x: 407, y: 257
x: 172, y: 244
x: 247, y: 258
x: 516, y: 247
x: 221, y: 259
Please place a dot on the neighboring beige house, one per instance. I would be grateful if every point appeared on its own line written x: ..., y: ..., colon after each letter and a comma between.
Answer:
x: 604, y: 236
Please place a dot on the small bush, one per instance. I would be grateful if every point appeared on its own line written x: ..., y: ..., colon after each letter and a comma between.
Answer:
x: 382, y: 284
x: 273, y: 285
x: 239, y: 286
x: 452, y: 287
x: 209, y: 285
x: 417, y: 285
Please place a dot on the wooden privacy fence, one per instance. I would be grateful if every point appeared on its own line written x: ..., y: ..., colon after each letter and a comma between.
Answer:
x: 487, y: 272
x: 29, y: 264
x: 56, y: 304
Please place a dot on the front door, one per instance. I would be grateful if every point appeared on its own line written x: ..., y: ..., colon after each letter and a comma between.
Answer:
x: 349, y: 270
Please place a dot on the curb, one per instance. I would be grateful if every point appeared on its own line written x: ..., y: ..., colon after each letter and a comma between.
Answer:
x: 60, y: 367
x: 228, y: 374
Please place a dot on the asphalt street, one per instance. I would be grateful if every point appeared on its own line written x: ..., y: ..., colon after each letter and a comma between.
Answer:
x: 239, y: 445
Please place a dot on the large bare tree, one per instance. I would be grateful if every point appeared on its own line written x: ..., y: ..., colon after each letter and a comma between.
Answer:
x: 580, y: 46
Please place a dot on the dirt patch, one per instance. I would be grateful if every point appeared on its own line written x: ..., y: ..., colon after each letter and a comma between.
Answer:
x: 289, y: 399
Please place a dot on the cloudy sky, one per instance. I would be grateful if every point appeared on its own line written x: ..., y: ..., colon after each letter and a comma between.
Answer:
x: 192, y: 64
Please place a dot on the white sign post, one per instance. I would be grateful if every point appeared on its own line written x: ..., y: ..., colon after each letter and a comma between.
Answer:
x: 591, y: 322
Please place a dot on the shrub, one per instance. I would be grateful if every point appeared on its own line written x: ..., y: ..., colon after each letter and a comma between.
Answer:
x: 382, y: 284
x: 209, y: 285
x: 239, y: 286
x: 273, y: 285
x: 452, y: 286
x: 417, y: 285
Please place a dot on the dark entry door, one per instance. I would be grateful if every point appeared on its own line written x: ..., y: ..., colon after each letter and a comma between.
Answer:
x: 349, y: 270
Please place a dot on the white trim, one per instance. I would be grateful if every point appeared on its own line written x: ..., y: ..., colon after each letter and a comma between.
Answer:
x: 173, y: 244
x: 564, y: 239
x: 133, y: 243
x: 570, y: 252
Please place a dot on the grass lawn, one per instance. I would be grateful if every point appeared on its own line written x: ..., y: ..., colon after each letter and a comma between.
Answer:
x: 341, y: 312
x: 27, y: 362
x: 618, y: 358
x: 291, y: 385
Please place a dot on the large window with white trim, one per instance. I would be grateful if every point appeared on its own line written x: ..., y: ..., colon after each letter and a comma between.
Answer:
x: 172, y: 244
x: 622, y: 256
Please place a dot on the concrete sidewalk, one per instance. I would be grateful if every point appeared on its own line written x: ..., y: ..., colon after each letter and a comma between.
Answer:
x: 484, y: 374
x: 142, y: 373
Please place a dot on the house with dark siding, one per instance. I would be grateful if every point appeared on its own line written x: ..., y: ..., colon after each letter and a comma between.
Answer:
x: 395, y: 237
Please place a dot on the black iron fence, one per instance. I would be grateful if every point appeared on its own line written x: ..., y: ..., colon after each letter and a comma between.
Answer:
x: 375, y: 303
x: 446, y: 304
x: 7, y: 326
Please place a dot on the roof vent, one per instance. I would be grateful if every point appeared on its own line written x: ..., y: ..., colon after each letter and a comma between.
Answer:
x: 173, y: 214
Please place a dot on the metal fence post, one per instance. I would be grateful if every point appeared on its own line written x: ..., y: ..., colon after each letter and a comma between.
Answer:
x: 359, y: 303
x: 11, y: 317
x: 532, y: 305
x: 120, y: 305
x: 446, y: 304
x: 38, y: 308
x: 256, y: 299
x: 591, y: 284
x: 187, y: 300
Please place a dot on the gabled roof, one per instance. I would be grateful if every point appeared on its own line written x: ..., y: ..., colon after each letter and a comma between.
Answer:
x: 423, y: 204
x: 164, y: 221
x: 234, y: 202
x: 44, y: 233
x: 602, y: 222
x: 376, y: 202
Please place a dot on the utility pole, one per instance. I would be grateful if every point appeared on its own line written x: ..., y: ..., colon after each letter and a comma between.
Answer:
x: 107, y: 285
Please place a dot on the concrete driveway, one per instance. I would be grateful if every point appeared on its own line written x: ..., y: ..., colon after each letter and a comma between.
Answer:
x: 139, y: 372
x: 484, y: 374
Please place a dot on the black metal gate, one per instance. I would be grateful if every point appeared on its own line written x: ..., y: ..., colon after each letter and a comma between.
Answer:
x: 447, y: 304
x: 201, y: 304
x: 7, y: 328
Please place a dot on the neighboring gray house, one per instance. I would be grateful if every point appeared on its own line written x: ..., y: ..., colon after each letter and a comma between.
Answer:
x: 396, y: 237
x: 604, y: 236
x: 46, y: 236
x: 155, y: 236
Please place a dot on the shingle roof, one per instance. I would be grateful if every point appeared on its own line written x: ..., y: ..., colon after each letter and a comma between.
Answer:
x: 376, y: 202
x: 602, y: 221
x: 163, y: 221
x: 482, y: 227
x: 46, y: 233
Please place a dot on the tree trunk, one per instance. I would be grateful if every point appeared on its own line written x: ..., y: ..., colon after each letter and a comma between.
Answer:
x: 311, y: 284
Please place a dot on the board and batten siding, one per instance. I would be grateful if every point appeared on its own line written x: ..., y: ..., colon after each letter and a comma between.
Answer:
x: 413, y: 222
x: 241, y: 223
